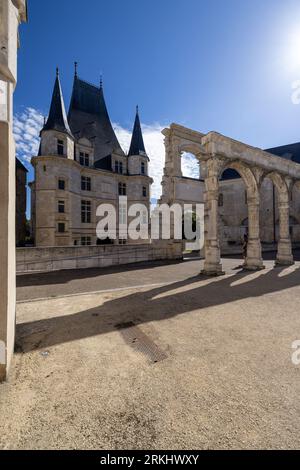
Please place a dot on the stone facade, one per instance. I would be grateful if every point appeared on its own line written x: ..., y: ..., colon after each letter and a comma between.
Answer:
x: 80, y: 166
x: 12, y: 13
x: 21, y: 179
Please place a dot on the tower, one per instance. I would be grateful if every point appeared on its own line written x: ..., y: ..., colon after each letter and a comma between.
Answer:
x: 56, y: 135
x: 137, y: 156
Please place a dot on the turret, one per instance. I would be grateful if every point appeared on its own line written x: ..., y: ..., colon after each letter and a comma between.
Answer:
x: 137, y: 156
x: 56, y: 135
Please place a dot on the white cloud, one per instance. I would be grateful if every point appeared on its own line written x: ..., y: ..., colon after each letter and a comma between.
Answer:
x: 190, y: 166
x: 27, y: 126
x: 28, y: 123
x: 154, y: 143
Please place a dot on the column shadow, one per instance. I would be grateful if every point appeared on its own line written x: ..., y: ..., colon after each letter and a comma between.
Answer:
x: 152, y: 305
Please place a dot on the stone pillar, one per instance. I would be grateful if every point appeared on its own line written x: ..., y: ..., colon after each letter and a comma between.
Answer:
x: 212, y: 263
x: 284, y: 251
x: 254, y: 259
x: 11, y: 13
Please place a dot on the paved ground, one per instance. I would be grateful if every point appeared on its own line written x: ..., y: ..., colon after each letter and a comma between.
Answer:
x: 58, y: 283
x: 224, y: 377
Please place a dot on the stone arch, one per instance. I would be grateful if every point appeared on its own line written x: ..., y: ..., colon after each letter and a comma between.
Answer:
x: 282, y: 230
x: 195, y: 151
x: 246, y: 174
x: 279, y: 183
x: 190, y: 147
x: 254, y: 256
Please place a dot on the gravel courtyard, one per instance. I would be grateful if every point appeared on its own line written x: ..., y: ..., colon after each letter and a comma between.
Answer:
x: 155, y: 357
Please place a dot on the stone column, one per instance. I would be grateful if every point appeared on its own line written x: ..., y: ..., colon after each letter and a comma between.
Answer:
x: 284, y: 251
x: 254, y: 259
x: 212, y: 263
x: 11, y: 13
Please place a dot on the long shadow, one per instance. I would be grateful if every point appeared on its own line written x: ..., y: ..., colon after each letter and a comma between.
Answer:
x: 67, y: 275
x: 143, y: 307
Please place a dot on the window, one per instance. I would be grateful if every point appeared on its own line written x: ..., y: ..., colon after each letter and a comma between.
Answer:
x: 86, y: 212
x: 123, y: 214
x: 144, y: 191
x: 85, y: 183
x: 246, y: 198
x: 61, y: 185
x: 119, y: 167
x: 122, y: 189
x: 75, y: 243
x: 143, y: 168
x: 61, y: 228
x: 44, y: 168
x: 86, y: 241
x: 60, y: 147
x: 61, y: 207
x: 145, y: 217
x: 84, y: 159
x: 122, y: 241
x: 221, y: 200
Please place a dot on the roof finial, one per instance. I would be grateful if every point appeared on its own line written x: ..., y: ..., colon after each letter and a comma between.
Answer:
x: 76, y: 67
x: 137, y: 109
x: 57, y: 72
x: 44, y: 121
x: 101, y: 81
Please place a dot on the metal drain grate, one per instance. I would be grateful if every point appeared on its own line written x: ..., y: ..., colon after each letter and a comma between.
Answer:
x: 134, y: 337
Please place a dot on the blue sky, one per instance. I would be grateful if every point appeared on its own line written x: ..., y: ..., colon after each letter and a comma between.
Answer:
x: 210, y: 65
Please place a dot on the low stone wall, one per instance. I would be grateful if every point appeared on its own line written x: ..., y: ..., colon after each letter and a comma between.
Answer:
x: 227, y: 250
x: 74, y: 257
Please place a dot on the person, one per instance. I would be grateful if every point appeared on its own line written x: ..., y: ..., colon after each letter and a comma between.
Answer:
x: 245, y: 245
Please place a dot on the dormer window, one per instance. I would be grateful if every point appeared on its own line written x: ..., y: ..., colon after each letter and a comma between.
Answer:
x: 143, y: 168
x: 84, y: 159
x: 60, y: 147
x: 119, y: 167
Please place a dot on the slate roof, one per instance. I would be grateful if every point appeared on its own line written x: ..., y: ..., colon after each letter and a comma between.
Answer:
x: 290, y: 152
x: 57, y: 119
x: 88, y: 117
x: 137, y: 146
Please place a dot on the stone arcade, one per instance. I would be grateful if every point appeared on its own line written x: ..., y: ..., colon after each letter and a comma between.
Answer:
x: 217, y: 153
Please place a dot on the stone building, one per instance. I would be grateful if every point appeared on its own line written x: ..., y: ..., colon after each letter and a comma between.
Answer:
x: 21, y: 179
x: 81, y: 165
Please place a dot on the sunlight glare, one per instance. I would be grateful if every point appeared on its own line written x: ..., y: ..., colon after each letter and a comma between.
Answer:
x: 293, y: 53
